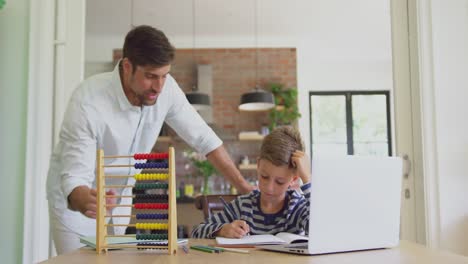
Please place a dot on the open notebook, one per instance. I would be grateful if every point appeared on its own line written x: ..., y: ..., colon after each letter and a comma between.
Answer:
x: 91, y: 241
x: 280, y: 238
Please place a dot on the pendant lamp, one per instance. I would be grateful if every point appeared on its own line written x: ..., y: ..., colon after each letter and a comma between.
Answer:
x: 257, y: 99
x: 199, y: 100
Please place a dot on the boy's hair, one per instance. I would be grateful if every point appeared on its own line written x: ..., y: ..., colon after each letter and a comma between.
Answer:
x: 145, y: 45
x: 280, y: 144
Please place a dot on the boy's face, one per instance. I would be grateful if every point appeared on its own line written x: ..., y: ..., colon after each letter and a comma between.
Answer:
x: 273, y: 181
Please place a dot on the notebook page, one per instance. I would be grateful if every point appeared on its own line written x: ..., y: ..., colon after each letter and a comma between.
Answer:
x: 292, y: 238
x: 250, y: 240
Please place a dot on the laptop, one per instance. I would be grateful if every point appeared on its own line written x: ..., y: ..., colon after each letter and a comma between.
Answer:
x: 354, y: 205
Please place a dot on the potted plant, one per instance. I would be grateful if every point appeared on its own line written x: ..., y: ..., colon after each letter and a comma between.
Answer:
x: 203, y: 166
x: 286, y: 111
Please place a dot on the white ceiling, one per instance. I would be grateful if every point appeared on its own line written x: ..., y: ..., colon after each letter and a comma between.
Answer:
x: 334, y: 28
x: 175, y: 16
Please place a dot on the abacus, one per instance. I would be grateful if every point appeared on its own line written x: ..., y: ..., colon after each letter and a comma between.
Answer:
x: 164, y: 226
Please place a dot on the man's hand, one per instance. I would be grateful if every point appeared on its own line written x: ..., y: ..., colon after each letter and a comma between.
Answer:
x: 302, y: 164
x: 83, y: 199
x: 110, y: 200
x: 236, y: 229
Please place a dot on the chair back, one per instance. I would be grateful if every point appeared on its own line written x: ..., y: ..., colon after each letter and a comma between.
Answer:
x: 210, y: 204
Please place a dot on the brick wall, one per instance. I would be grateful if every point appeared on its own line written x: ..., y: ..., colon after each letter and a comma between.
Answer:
x: 234, y: 73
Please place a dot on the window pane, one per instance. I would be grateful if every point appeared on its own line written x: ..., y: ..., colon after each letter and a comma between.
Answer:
x: 328, y: 115
x: 370, y: 125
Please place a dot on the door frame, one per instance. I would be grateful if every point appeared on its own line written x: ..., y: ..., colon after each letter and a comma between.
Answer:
x: 413, y: 71
x: 39, y: 130
x: 56, y: 63
x: 406, y: 118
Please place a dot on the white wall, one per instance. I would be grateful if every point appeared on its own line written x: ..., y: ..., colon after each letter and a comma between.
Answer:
x: 14, y: 28
x: 341, y: 45
x: 450, y: 58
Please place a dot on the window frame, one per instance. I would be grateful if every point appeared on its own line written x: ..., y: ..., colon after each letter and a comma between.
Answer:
x: 349, y: 115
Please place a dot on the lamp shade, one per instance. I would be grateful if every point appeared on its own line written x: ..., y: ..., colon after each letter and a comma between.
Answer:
x: 199, y: 101
x: 257, y: 100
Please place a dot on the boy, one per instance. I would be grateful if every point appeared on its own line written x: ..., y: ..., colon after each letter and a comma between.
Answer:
x: 274, y: 207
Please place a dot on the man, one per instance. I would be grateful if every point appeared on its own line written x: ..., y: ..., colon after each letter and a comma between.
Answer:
x: 122, y: 112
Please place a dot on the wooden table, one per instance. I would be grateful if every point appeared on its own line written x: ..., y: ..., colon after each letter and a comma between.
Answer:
x: 407, y: 252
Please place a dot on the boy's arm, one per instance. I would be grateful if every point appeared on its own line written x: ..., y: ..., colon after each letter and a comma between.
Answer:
x: 215, y: 223
x: 301, y: 162
x: 303, y: 209
x: 206, y: 229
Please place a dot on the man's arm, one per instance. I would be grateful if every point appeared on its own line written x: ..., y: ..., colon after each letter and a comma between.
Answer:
x: 223, y: 163
x: 190, y: 126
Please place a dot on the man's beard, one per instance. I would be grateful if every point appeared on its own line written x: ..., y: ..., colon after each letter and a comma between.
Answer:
x: 147, y: 102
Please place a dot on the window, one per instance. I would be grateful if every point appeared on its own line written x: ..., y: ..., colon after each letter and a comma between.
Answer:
x: 353, y: 123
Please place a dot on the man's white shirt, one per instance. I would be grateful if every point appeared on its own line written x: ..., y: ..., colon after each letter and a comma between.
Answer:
x: 99, y: 116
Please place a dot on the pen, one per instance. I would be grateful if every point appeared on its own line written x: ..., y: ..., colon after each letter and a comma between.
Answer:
x: 229, y: 209
x: 227, y: 206
x: 202, y: 249
x: 216, y: 250
x: 233, y: 250
x: 185, y: 248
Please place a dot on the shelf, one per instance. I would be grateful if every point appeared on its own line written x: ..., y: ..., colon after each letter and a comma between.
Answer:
x: 247, y: 167
x: 164, y: 139
x: 250, y: 137
x: 279, y: 107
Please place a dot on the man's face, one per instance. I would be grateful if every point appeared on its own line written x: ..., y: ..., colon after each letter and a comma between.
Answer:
x: 145, y: 84
x: 273, y: 181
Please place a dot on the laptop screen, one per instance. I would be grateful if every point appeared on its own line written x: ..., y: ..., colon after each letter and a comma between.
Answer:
x: 355, y: 203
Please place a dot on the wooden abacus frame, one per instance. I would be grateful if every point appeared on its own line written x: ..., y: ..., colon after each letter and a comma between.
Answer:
x: 101, y: 212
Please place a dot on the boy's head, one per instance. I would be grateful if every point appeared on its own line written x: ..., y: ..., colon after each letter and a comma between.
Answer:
x: 280, y: 144
x: 275, y: 169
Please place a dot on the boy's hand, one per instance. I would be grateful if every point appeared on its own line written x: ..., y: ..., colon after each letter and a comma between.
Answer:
x: 302, y: 164
x: 236, y: 229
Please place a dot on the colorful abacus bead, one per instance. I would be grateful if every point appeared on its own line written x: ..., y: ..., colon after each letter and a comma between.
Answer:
x: 152, y: 165
x: 144, y: 185
x: 151, y: 216
x: 151, y: 226
x: 157, y: 206
x: 151, y: 236
x: 151, y: 176
x: 150, y: 198
x: 146, y: 156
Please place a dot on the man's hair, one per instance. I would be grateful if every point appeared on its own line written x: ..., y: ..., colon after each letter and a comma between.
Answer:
x: 280, y: 144
x: 145, y: 45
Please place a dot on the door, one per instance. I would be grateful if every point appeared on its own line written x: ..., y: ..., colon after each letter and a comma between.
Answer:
x: 407, y: 120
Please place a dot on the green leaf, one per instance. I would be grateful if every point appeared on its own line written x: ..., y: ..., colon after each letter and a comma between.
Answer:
x: 288, y: 99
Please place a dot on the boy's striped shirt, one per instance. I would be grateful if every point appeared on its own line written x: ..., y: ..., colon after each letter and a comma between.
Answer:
x: 293, y: 218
